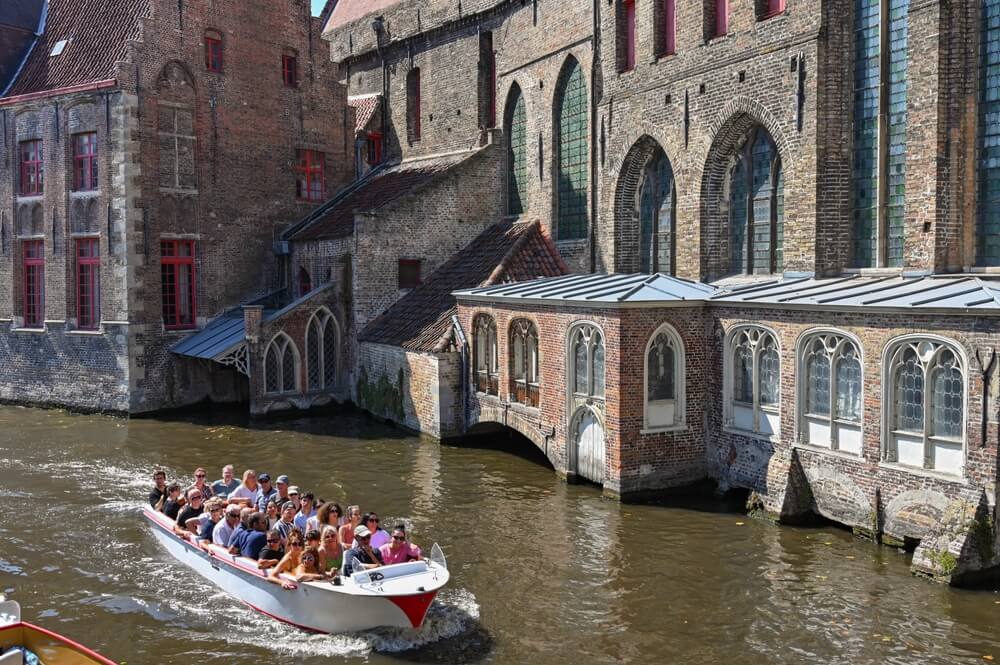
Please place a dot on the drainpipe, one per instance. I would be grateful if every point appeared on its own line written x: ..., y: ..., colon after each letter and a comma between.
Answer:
x: 463, y: 367
x: 594, y: 46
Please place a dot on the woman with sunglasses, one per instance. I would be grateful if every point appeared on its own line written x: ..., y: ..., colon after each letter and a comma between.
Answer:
x: 332, y: 552
x: 308, y: 569
x: 399, y: 551
x: 290, y: 562
x: 328, y: 514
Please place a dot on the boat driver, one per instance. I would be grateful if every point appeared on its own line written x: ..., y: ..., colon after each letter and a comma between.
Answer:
x: 367, y: 556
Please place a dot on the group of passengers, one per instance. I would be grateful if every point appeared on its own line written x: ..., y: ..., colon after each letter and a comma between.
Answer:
x: 281, y: 528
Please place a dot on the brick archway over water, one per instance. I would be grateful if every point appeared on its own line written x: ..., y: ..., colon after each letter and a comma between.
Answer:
x: 513, y: 419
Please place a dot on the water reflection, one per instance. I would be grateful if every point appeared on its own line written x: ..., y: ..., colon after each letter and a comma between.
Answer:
x: 542, y: 571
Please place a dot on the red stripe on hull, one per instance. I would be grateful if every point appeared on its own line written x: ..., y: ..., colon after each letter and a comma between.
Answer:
x: 415, y: 607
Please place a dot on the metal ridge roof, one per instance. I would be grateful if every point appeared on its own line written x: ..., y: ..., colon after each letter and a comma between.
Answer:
x: 964, y: 292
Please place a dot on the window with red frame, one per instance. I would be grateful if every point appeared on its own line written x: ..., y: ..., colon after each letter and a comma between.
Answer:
x: 374, y: 148
x: 629, y: 7
x: 773, y: 8
x: 88, y: 283
x: 290, y: 71
x: 33, y: 264
x: 85, y: 162
x: 669, y: 27
x: 32, y: 168
x: 721, y: 17
x: 409, y: 273
x: 213, y: 53
x: 178, y: 283
x: 309, y: 179
x: 305, y: 282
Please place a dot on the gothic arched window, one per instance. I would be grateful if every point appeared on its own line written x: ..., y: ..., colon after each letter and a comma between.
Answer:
x: 573, y: 156
x: 664, y: 379
x: 524, y: 383
x: 516, y: 124
x: 656, y: 217
x: 281, y: 365
x: 486, y: 355
x: 831, y: 413
x: 756, y: 207
x: 753, y: 377
x: 322, y: 345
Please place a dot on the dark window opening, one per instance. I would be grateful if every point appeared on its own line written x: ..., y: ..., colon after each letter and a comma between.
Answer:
x: 487, y: 81
x: 409, y: 273
x: 33, y: 265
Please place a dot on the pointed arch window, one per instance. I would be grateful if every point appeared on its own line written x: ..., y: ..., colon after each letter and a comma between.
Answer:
x: 664, y: 380
x: 524, y: 383
x: 988, y: 217
x: 756, y: 207
x: 753, y: 379
x: 831, y: 413
x: 926, y: 402
x: 486, y: 354
x: 657, y: 212
x: 573, y: 156
x: 516, y: 125
x: 587, y: 362
x: 322, y: 348
x: 281, y: 366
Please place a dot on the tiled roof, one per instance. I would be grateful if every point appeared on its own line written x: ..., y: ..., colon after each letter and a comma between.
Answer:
x: 335, y: 218
x: 365, y: 107
x: 98, y: 32
x: 349, y: 10
x: 505, y: 252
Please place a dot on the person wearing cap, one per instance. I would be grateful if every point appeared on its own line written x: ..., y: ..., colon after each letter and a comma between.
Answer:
x: 281, y: 483
x: 287, y: 521
x: 306, y: 511
x: 363, y: 553
x: 246, y: 493
x: 379, y: 536
x: 266, y: 491
x: 223, y: 531
x: 227, y: 484
x: 293, y: 496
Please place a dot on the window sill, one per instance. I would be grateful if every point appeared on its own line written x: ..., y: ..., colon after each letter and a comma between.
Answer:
x: 834, y: 452
x: 760, y: 436
x: 681, y: 427
x: 30, y: 198
x: 525, y: 409
x: 85, y: 193
x: 664, y: 57
x: 768, y: 17
x: 29, y: 331
x: 86, y: 332
x: 925, y: 473
x: 718, y: 39
x: 179, y: 331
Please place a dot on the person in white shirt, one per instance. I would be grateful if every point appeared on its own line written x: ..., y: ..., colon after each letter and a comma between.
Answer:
x: 224, y: 529
x: 246, y: 493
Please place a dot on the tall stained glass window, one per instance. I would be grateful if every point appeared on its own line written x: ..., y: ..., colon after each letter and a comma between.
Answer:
x: 517, y: 153
x: 573, y: 158
x: 988, y: 219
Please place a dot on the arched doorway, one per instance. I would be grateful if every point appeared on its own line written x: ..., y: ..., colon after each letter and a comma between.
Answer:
x: 588, y: 442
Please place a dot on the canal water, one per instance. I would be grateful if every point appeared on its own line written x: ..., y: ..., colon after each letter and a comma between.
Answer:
x: 542, y: 572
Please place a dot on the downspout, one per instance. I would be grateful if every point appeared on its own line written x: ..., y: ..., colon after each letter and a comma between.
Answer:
x: 463, y: 368
x: 595, y: 41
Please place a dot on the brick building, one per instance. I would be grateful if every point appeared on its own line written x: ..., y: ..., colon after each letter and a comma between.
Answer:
x: 153, y: 152
x: 780, y: 216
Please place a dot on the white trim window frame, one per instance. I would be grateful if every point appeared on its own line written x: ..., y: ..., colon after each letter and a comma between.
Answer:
x: 925, y: 382
x: 664, y: 390
x: 486, y: 355
x: 831, y: 391
x: 752, y: 382
x: 525, y: 385
x: 316, y: 351
x: 586, y: 338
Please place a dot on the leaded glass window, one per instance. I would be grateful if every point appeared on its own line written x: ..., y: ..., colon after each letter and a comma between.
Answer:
x: 988, y: 218
x: 588, y: 361
x: 321, y: 351
x: 573, y: 154
x: 848, y: 384
x: 330, y: 349
x: 517, y: 153
x: 598, y: 355
x: 660, y: 368
x: 280, y: 365
x: 818, y: 380
x: 927, y: 395
x: 756, y: 207
x: 487, y: 372
x: 314, y: 355
x: 581, y: 366
x: 899, y: 12
x: 755, y: 377
x: 831, y: 413
x: 524, y: 363
x: 665, y: 393
x: 656, y: 217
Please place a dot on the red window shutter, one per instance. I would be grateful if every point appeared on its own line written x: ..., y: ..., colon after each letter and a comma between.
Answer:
x: 629, y: 35
x: 721, y: 17
x: 309, y: 184
x: 669, y: 27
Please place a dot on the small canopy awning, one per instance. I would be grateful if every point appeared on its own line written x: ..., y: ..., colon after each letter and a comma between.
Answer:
x: 222, y: 340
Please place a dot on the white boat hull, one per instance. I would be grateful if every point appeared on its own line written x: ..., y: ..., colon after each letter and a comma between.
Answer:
x: 400, y: 598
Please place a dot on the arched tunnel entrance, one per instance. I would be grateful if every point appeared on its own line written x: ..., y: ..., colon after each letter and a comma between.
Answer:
x: 494, y: 436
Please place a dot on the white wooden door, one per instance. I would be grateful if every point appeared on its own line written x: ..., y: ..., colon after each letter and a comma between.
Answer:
x: 590, y: 448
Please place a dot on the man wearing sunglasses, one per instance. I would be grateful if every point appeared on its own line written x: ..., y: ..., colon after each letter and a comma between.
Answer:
x: 193, y: 510
x: 362, y: 552
x: 272, y: 552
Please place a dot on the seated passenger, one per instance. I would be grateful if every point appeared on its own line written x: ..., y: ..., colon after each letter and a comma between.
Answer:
x: 288, y: 563
x: 271, y: 510
x: 379, y: 536
x: 363, y: 552
x: 225, y: 486
x: 347, y: 530
x: 333, y: 555
x: 240, y: 532
x: 200, y: 484
x: 224, y: 530
x: 294, y: 497
x: 172, y: 505
x: 212, y: 516
x: 246, y: 493
x: 287, y: 521
x: 309, y: 569
x: 313, y: 540
x: 265, y: 492
x: 327, y: 515
x: 194, y: 508
x: 158, y: 495
x: 272, y: 552
x: 255, y: 538
x: 399, y: 551
x: 306, y: 511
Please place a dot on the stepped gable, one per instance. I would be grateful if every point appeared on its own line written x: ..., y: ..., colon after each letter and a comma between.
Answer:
x: 98, y: 32
x: 335, y: 219
x: 505, y: 252
x: 346, y: 11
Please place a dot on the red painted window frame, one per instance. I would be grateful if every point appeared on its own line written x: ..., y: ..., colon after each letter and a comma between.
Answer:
x: 774, y: 7
x: 721, y: 18
x: 171, y: 260
x: 308, y: 166
x: 290, y: 71
x: 33, y: 269
x: 669, y: 27
x: 32, y: 164
x: 213, y: 54
x: 629, y: 8
x: 409, y: 263
x: 88, y: 283
x: 85, y: 162
x: 374, y: 148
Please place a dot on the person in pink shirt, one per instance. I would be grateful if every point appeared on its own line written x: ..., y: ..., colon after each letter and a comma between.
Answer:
x: 398, y: 550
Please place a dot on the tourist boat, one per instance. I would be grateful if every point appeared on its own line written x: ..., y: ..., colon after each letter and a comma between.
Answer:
x: 51, y: 648
x: 398, y: 595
